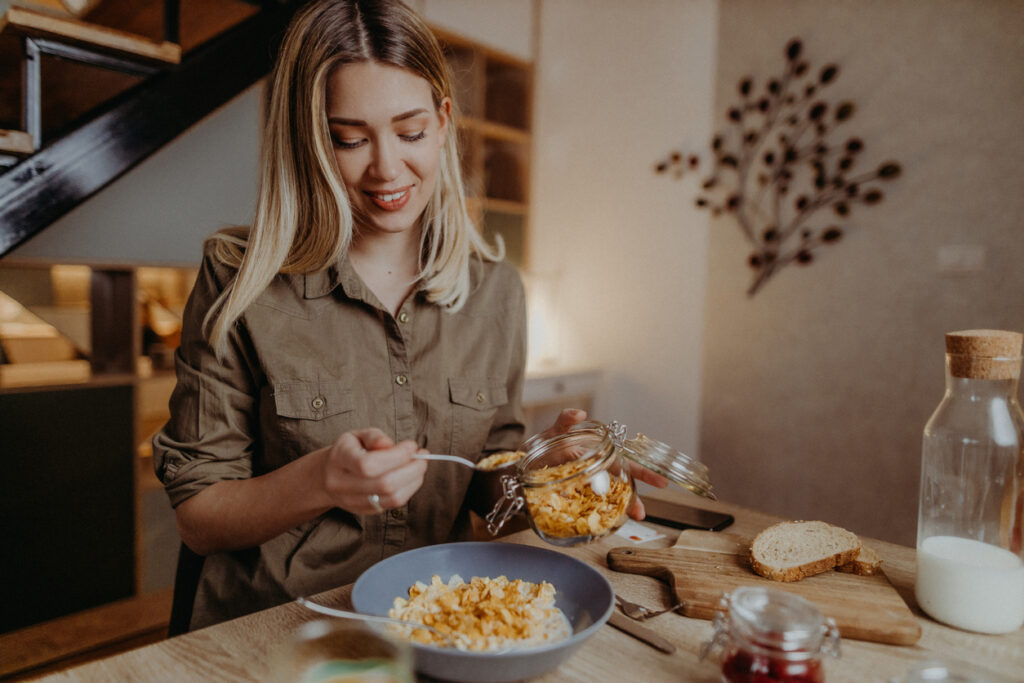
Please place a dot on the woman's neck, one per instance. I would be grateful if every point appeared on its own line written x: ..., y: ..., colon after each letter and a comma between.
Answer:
x: 388, y: 264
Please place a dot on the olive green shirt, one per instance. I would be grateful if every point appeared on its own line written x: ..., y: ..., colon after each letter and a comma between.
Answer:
x: 317, y: 355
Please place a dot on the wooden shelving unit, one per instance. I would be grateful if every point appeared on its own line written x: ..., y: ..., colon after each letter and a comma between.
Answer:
x: 493, y: 91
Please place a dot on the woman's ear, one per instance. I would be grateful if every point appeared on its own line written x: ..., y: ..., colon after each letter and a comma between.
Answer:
x: 444, y: 114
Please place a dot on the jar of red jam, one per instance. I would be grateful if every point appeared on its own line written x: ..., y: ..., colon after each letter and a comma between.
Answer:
x: 765, y: 635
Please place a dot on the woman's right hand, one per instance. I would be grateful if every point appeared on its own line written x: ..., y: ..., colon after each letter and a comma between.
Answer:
x: 364, y: 463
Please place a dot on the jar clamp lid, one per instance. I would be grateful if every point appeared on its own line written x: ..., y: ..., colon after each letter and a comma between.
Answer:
x: 674, y: 465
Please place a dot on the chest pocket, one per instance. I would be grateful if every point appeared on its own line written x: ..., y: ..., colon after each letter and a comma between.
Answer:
x: 313, y: 414
x: 474, y: 403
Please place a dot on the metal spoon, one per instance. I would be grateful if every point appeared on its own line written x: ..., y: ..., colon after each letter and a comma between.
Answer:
x: 448, y: 458
x: 331, y: 611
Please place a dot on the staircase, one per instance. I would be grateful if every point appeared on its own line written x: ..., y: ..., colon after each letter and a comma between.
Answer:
x: 103, y: 84
x: 89, y: 89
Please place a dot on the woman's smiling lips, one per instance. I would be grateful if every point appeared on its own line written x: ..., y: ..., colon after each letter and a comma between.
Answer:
x: 392, y: 200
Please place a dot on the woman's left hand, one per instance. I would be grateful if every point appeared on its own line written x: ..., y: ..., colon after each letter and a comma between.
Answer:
x: 647, y: 476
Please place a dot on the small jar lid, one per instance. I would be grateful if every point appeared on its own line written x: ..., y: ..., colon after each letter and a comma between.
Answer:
x: 776, y: 619
x: 984, y: 354
x: 674, y: 465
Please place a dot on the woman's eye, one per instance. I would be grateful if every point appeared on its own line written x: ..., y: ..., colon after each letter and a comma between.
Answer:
x: 346, y: 144
x: 414, y: 137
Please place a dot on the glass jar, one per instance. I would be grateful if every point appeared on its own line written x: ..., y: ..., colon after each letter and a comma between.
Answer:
x: 576, y: 487
x: 768, y: 635
x: 332, y: 650
x: 970, y: 571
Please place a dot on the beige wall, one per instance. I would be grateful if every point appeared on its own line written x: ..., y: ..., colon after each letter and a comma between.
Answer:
x: 617, y: 85
x: 817, y: 389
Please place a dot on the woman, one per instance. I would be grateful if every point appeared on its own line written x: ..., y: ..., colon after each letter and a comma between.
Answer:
x: 359, y: 321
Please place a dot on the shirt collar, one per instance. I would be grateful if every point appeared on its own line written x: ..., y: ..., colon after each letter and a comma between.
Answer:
x: 323, y: 282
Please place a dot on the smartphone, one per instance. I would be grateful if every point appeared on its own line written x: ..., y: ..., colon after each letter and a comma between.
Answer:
x: 684, y: 516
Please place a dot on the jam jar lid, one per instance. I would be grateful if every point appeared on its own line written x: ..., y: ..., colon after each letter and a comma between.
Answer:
x: 776, y: 619
x: 674, y: 465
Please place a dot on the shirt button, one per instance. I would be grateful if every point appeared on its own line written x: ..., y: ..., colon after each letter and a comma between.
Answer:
x: 318, y: 403
x: 403, y: 317
x: 400, y: 380
x: 479, y: 397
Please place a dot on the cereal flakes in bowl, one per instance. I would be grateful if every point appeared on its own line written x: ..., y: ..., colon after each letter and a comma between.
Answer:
x: 467, y: 572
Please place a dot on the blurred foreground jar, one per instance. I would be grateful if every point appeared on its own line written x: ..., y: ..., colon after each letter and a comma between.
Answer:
x: 576, y: 487
x: 765, y: 635
x: 970, y: 571
x: 339, y: 651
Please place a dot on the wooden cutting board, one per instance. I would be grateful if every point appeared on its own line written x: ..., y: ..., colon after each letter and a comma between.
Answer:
x: 703, y: 565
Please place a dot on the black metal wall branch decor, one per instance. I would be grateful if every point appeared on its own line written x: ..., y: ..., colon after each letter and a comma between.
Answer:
x: 783, y: 169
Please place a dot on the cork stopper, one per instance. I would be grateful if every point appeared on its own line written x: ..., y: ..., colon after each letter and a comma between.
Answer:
x: 984, y: 354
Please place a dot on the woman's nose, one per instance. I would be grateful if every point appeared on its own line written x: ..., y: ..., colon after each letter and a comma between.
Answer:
x: 386, y: 163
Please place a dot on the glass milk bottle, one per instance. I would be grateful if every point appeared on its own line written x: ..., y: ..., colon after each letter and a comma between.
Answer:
x: 970, y: 572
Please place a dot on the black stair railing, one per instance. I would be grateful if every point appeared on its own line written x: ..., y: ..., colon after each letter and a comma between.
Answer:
x: 121, y: 133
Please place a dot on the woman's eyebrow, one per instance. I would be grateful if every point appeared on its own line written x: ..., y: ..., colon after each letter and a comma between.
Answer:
x: 394, y: 119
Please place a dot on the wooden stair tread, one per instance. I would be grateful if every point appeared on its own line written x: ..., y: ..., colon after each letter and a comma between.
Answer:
x: 67, y: 29
x: 16, y: 142
x: 97, y: 629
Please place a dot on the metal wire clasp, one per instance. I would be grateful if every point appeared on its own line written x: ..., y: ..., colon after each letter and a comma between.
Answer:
x: 510, y: 503
x: 617, y: 432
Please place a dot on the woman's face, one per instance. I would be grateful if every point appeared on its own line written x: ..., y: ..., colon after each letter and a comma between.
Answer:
x: 387, y: 139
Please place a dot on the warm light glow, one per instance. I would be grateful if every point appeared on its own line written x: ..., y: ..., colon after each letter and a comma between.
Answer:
x: 543, y: 322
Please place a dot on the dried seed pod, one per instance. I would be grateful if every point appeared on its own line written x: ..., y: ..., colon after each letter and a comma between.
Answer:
x: 889, y: 170
x: 844, y: 111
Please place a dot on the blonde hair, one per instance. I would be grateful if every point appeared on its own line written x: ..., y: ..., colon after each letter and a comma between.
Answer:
x: 303, y: 221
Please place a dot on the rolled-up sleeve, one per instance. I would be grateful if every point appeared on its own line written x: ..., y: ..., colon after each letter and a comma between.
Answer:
x: 210, y: 434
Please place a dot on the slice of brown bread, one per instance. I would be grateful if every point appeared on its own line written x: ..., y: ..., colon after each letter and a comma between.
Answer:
x: 790, y: 551
x: 867, y: 563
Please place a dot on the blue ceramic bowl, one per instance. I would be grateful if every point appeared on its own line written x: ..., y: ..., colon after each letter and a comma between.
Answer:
x: 581, y: 592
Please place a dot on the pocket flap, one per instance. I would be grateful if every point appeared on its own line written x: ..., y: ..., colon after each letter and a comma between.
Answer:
x: 313, y: 400
x: 479, y: 394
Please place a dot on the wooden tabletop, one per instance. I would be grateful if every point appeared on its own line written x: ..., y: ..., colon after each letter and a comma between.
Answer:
x: 239, y: 650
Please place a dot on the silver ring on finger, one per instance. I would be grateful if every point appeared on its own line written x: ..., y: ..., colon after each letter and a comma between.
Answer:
x: 374, y: 500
